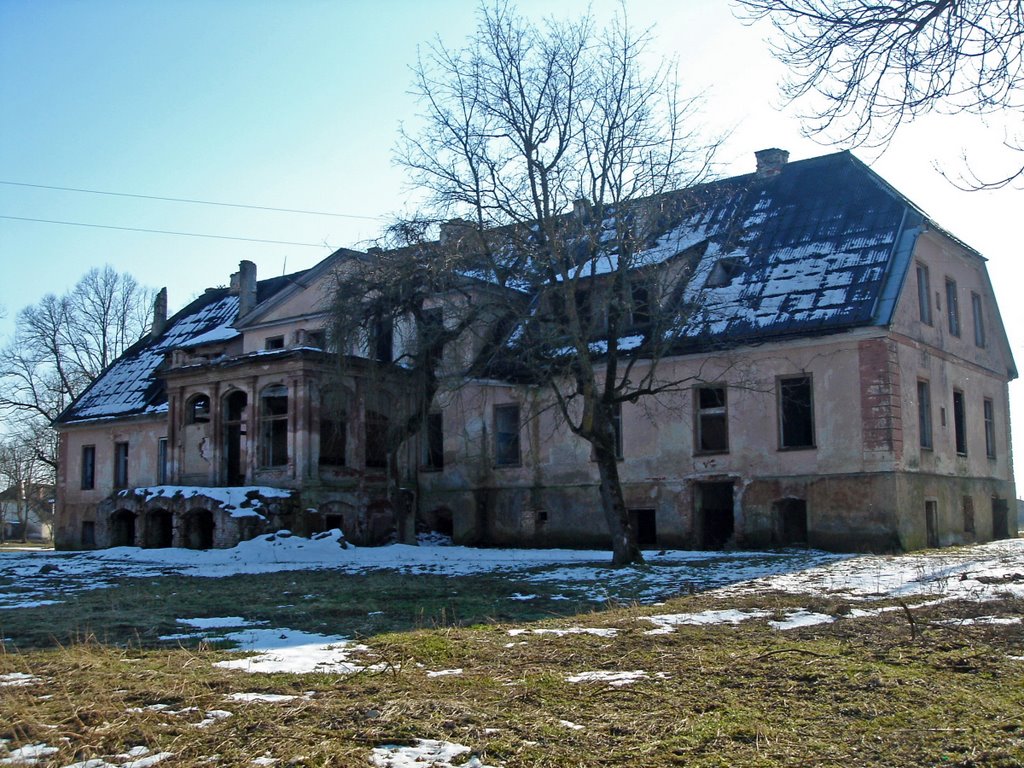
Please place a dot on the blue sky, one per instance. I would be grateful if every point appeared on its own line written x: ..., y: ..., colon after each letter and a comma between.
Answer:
x: 297, y: 104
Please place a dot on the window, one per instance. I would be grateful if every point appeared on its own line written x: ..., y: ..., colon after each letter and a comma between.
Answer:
x: 990, y: 428
x: 274, y: 342
x: 198, y: 409
x: 161, y: 461
x: 88, y: 467
x: 722, y: 273
x: 924, y: 414
x: 316, y: 339
x: 429, y: 331
x: 959, y: 422
x: 977, y: 309
x: 433, y: 449
x: 617, y: 428
x: 382, y: 338
x: 924, y: 291
x: 120, y: 465
x: 952, y: 308
x: 711, y: 420
x: 332, y: 439
x: 376, y: 440
x: 88, y: 533
x: 640, y: 301
x: 274, y: 426
x: 506, y: 435
x: 796, y: 413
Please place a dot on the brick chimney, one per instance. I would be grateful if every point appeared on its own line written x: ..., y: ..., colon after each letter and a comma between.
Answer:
x: 243, y: 283
x: 159, y: 314
x: 454, y: 231
x: 770, y: 161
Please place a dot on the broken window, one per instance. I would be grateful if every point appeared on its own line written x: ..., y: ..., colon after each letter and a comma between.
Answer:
x: 711, y: 420
x: 198, y: 409
x: 978, y: 311
x: 88, y: 467
x: 316, y: 339
x: 924, y: 414
x: 640, y: 305
x: 382, y: 337
x: 433, y: 447
x: 333, y: 427
x: 959, y: 422
x: 506, y: 435
x: 796, y: 413
x: 924, y: 300
x: 274, y: 426
x: 990, y: 428
x: 952, y: 308
x: 274, y: 342
x: 120, y: 465
x: 722, y: 273
x: 376, y: 440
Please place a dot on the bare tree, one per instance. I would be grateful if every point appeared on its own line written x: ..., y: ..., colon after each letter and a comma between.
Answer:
x: 877, y: 65
x: 62, y: 343
x: 419, y: 316
x: 556, y: 147
x: 27, y: 482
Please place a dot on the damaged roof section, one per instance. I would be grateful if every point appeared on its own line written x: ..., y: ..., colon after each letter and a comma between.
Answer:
x: 810, y: 249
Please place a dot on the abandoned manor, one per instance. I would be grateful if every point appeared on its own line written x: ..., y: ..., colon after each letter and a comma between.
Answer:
x: 844, y: 376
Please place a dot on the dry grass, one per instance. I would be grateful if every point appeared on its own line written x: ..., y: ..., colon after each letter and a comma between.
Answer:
x: 856, y: 692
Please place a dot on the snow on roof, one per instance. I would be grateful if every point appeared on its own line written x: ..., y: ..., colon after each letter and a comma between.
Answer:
x: 239, y: 501
x: 131, y: 386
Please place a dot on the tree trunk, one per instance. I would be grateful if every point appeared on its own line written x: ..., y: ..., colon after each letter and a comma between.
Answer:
x: 625, y: 550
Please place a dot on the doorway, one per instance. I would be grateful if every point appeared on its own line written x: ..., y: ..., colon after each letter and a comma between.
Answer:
x: 931, y: 522
x: 1000, y: 519
x: 159, y: 529
x: 235, y: 453
x: 714, y: 523
x: 199, y: 529
x: 790, y: 523
x: 122, y: 529
x: 643, y: 522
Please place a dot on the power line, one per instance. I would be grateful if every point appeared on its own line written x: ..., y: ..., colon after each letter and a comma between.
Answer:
x: 194, y: 202
x: 165, y: 232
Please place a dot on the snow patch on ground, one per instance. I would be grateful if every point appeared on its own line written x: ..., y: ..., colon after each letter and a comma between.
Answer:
x: 18, y: 680
x: 425, y: 752
x: 597, y: 631
x: 617, y: 679
x: 288, y: 650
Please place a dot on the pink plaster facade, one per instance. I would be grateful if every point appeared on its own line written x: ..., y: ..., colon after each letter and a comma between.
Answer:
x: 881, y: 436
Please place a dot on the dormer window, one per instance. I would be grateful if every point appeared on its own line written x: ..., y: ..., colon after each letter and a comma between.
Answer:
x: 723, y: 273
x: 274, y: 342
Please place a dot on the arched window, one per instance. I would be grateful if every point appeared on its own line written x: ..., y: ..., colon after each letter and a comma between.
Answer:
x: 198, y: 409
x: 274, y: 426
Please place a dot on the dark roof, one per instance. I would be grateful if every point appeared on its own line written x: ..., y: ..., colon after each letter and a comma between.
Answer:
x: 821, y: 246
x: 130, y: 385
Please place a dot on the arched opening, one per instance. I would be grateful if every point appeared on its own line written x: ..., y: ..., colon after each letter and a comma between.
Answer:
x: 198, y: 532
x: 159, y: 529
x: 274, y: 426
x: 122, y: 528
x: 235, y: 445
x: 197, y: 410
x: 790, y: 524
